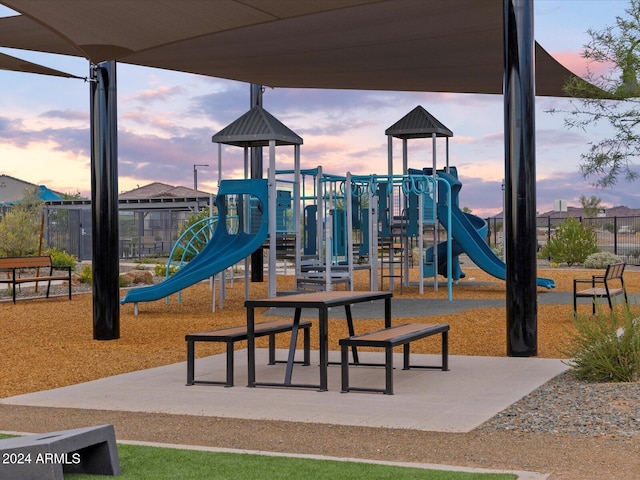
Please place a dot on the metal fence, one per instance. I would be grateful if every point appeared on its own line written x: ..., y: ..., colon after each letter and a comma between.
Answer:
x: 142, y: 232
x: 618, y: 235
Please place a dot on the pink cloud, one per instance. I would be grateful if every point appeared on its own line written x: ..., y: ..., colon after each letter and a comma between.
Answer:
x: 161, y: 93
x: 576, y: 63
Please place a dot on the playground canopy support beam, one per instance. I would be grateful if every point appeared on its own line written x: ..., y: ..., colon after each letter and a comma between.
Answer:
x: 520, y: 179
x: 104, y: 201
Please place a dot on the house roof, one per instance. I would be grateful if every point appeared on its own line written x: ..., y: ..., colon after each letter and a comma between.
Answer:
x: 12, y: 189
x: 161, y: 190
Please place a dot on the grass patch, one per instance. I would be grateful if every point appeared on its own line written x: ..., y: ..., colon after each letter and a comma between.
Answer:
x: 155, y: 463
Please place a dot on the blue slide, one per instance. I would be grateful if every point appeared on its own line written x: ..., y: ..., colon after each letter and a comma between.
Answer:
x: 469, y: 232
x: 224, y: 249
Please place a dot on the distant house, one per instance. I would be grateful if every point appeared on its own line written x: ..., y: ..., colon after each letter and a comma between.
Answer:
x: 13, y: 189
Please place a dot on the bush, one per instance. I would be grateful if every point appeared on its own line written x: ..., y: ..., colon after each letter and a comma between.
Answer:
x: 161, y: 270
x: 20, y: 226
x: 201, y: 219
x: 60, y: 258
x: 86, y: 276
x: 572, y: 243
x: 600, y: 260
x: 606, y: 347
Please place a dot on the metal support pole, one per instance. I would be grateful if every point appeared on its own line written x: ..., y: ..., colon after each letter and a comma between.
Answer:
x: 257, y: 260
x: 520, y: 179
x: 104, y: 201
x: 272, y: 208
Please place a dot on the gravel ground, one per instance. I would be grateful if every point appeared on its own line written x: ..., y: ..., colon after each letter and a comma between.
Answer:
x: 570, y: 428
x: 574, y: 407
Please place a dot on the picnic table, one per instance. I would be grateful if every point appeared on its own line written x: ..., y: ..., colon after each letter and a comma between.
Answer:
x: 322, y: 301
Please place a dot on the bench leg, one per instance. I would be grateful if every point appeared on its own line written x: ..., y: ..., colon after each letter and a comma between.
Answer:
x: 229, y: 364
x: 190, y: 362
x: 272, y: 349
x: 388, y: 367
x: 352, y: 332
x: 292, y: 346
x: 307, y: 346
x: 405, y: 356
x: 344, y: 368
x: 445, y: 351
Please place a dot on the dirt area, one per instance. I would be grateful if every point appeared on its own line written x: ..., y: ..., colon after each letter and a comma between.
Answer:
x: 48, y: 343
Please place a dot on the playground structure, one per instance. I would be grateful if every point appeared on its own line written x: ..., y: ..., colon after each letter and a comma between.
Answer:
x: 242, y: 226
x: 332, y: 225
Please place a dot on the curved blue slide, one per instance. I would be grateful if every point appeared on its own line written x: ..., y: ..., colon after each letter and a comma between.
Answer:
x: 468, y: 233
x: 223, y: 250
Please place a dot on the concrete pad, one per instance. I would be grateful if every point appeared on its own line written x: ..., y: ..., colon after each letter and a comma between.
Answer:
x: 474, y: 390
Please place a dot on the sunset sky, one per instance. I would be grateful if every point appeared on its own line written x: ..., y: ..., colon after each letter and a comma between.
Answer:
x: 166, y: 121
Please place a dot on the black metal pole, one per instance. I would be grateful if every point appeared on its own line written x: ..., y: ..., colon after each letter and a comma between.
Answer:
x: 104, y: 201
x: 520, y: 179
x: 257, y: 261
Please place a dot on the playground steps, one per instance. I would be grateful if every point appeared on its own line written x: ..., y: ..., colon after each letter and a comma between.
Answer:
x: 318, y: 283
x: 313, y: 277
x: 285, y: 246
x: 391, y: 254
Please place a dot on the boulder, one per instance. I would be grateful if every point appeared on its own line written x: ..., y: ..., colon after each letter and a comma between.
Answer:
x: 137, y: 277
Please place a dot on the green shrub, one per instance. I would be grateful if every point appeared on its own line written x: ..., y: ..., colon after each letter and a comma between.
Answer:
x: 572, y: 243
x: 606, y: 347
x: 60, y: 258
x: 161, y: 270
x: 86, y: 275
x: 200, y: 219
x: 600, y: 260
x: 20, y: 226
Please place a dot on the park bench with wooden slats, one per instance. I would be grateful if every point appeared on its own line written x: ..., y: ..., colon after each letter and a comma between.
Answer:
x: 236, y: 334
x: 13, y: 268
x: 609, y: 286
x: 388, y: 338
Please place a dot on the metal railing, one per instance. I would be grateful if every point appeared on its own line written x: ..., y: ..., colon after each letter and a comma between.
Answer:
x: 618, y: 235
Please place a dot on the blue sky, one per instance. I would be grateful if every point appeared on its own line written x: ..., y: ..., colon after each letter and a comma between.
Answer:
x: 166, y: 120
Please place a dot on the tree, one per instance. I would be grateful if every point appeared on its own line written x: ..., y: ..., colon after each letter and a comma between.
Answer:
x: 571, y: 243
x: 590, y: 206
x: 612, y: 97
x: 20, y: 227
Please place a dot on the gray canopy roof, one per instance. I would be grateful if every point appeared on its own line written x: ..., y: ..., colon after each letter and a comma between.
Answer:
x: 255, y: 129
x: 418, y: 123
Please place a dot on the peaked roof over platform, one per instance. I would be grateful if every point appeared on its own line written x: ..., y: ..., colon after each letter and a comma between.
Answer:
x: 418, y: 123
x: 400, y: 45
x: 256, y: 128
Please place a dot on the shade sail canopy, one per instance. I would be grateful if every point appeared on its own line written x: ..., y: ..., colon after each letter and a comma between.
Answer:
x: 14, y: 64
x: 402, y: 45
